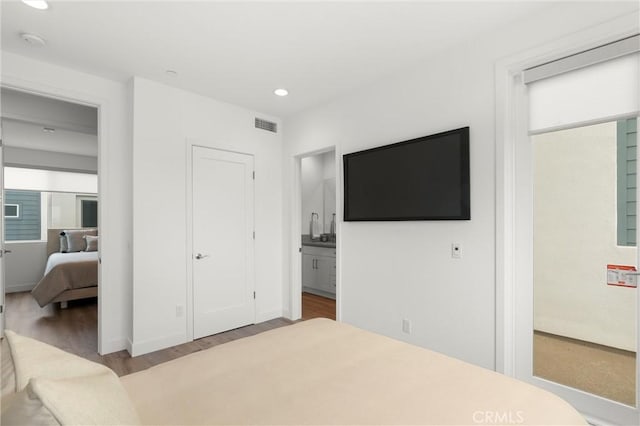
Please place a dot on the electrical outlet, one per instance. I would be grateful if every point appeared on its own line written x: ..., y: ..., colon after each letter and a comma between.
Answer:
x: 406, y: 326
x: 179, y: 310
x: 456, y: 251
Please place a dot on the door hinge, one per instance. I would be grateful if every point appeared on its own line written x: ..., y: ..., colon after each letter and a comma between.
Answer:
x: 254, y: 235
x: 300, y: 249
x: 254, y: 175
x: 254, y: 294
x: 1, y: 309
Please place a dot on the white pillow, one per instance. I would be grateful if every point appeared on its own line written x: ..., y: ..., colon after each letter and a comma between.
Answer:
x: 75, y: 238
x: 92, y: 242
x: 54, y: 384
x: 8, y: 377
x: 32, y: 358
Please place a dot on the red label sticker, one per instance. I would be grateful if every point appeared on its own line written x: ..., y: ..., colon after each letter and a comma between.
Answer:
x: 622, y: 276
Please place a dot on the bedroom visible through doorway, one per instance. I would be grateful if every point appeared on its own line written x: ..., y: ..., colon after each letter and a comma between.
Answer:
x: 50, y: 223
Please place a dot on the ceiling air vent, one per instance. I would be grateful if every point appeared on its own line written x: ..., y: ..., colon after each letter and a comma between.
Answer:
x: 266, y: 125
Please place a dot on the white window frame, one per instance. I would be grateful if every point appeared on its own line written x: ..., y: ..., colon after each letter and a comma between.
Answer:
x: 17, y: 211
x: 79, y: 199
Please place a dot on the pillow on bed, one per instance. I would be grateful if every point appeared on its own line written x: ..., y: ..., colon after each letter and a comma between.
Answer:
x: 63, y: 243
x: 8, y: 371
x: 92, y: 242
x: 75, y: 239
x: 98, y: 399
x: 54, y: 384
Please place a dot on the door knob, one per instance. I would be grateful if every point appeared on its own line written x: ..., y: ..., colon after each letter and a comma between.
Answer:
x: 201, y: 256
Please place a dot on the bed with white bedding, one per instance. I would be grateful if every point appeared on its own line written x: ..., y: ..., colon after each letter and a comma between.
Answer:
x: 314, y: 372
x: 67, y: 276
x: 56, y: 259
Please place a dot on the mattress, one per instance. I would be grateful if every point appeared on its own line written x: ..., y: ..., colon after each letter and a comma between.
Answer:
x: 324, y: 372
x: 56, y: 259
x: 66, y: 271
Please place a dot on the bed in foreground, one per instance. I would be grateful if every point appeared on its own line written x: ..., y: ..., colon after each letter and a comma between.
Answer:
x: 323, y: 372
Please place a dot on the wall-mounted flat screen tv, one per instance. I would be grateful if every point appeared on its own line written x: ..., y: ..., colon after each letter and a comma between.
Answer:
x: 425, y: 178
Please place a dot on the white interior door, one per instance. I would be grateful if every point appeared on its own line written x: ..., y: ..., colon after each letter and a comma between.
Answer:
x: 223, y: 283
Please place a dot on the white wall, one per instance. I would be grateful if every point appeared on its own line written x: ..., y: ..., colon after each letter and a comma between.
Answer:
x: 25, y: 264
x: 395, y: 270
x: 164, y: 119
x: 575, y: 221
x: 115, y: 178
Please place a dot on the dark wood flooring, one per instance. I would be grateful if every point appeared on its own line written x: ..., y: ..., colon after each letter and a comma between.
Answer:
x: 75, y: 330
x: 594, y: 368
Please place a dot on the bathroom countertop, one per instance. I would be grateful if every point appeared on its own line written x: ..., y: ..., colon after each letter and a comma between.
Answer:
x: 306, y: 241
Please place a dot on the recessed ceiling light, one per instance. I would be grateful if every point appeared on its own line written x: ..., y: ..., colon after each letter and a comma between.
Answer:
x: 281, y: 92
x: 172, y: 73
x: 32, y: 39
x: 37, y: 4
x: 48, y: 129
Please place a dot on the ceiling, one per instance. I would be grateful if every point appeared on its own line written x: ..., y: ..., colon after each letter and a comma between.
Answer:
x: 44, y: 124
x: 239, y: 52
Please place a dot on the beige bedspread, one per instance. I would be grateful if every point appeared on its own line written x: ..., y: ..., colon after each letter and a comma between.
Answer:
x: 323, y: 372
x: 65, y: 276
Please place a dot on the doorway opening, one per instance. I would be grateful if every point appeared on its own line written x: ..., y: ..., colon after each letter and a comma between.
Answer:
x: 50, y: 186
x: 584, y: 307
x: 318, y: 235
x: 539, y: 99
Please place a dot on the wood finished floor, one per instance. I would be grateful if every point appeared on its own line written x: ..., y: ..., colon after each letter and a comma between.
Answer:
x: 75, y: 330
x: 317, y: 307
x: 605, y: 371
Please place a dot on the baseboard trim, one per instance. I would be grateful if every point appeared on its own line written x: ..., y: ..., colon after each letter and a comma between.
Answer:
x: 266, y: 316
x: 19, y: 288
x: 152, y: 345
x: 114, y: 346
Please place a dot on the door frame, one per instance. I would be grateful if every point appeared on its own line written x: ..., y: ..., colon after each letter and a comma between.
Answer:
x: 295, y: 295
x: 102, y: 106
x: 189, y: 311
x: 513, y: 258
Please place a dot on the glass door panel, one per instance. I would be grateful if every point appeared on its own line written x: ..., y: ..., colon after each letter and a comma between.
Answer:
x: 585, y: 259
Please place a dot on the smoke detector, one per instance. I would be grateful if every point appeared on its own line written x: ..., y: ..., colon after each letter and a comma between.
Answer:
x: 33, y: 39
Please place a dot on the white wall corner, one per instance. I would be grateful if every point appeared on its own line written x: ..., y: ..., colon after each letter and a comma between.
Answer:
x: 115, y: 346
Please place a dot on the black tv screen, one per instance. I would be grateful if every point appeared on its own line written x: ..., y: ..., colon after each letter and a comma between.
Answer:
x: 420, y: 179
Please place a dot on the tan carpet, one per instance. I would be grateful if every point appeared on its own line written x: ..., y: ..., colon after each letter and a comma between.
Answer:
x: 590, y: 367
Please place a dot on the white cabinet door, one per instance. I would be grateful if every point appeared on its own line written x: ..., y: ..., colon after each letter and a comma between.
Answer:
x: 223, y: 287
x: 309, y: 275
x: 319, y: 269
x: 325, y: 271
